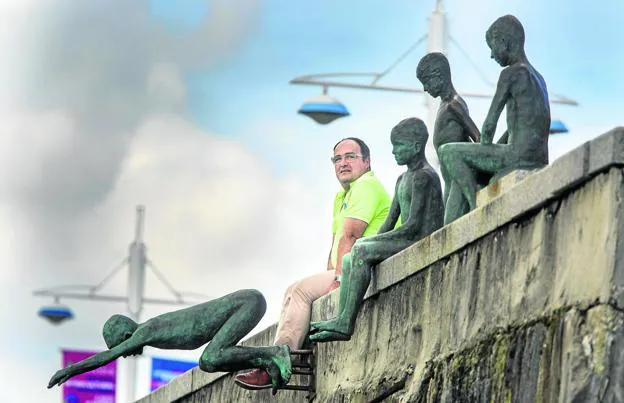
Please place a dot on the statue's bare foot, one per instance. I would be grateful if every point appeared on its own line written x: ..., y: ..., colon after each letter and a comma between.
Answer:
x: 281, y: 370
x: 329, y: 330
x: 318, y: 325
x: 328, y: 335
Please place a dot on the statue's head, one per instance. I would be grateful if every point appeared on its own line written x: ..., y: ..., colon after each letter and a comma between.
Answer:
x: 434, y: 73
x: 351, y: 160
x: 117, y: 329
x: 505, y: 37
x: 409, y: 138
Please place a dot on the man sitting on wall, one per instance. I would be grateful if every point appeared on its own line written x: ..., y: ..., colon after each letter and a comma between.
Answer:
x: 360, y: 208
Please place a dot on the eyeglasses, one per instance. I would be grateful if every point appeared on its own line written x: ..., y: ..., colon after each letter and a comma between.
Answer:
x: 348, y: 157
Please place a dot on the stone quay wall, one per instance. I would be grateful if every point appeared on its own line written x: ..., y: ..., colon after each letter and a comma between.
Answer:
x: 521, y: 300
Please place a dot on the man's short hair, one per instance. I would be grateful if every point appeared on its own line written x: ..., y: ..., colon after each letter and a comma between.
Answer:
x: 507, y: 27
x: 434, y: 62
x: 411, y: 129
x: 363, y: 147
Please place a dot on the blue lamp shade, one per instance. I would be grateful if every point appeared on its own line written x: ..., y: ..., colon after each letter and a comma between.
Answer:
x: 323, y: 109
x: 56, y: 313
x: 557, y: 126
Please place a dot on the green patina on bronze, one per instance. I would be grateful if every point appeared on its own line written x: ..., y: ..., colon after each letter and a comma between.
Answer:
x: 453, y: 123
x: 417, y: 201
x: 522, y: 91
x: 221, y: 322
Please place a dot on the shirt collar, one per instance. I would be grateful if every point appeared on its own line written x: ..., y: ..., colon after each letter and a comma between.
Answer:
x: 367, y: 174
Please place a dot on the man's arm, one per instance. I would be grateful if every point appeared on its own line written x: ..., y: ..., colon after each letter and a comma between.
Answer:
x: 96, y: 361
x: 353, y: 230
x: 330, y: 266
x: 498, y: 103
x: 466, y: 121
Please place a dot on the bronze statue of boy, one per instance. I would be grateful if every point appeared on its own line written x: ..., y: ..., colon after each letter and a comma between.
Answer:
x: 221, y: 322
x: 453, y: 123
x: 522, y: 91
x: 417, y: 201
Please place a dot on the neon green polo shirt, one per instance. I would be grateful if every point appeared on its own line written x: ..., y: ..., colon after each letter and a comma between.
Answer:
x: 366, y: 200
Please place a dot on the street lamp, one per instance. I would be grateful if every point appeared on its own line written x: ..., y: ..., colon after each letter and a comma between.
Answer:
x: 557, y: 126
x: 136, y: 262
x: 437, y: 38
x: 323, y: 109
x: 57, y: 313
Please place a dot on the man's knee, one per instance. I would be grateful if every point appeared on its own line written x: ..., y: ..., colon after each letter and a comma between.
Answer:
x: 296, y: 290
x: 292, y: 289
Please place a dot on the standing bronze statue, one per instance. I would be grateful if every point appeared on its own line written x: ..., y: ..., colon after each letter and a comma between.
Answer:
x: 221, y: 322
x: 453, y: 123
x: 522, y: 91
x: 417, y: 201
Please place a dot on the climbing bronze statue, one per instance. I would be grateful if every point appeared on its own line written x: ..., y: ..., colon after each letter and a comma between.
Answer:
x: 221, y: 323
x: 417, y: 202
x: 524, y: 145
x: 453, y: 123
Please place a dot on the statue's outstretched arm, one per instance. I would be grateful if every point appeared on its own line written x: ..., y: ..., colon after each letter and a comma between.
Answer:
x: 95, y: 361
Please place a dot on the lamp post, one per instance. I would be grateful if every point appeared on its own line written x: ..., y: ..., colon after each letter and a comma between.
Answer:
x: 437, y: 41
x: 137, y: 263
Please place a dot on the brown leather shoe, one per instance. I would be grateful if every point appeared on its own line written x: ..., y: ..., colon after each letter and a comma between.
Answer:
x: 255, y: 379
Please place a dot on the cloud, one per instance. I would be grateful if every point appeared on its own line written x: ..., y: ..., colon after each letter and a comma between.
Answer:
x: 219, y: 205
x: 165, y: 87
x: 93, y: 124
x: 217, y: 220
x: 106, y: 73
x: 83, y: 78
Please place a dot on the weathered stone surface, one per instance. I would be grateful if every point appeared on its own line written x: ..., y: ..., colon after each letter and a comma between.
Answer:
x: 525, y: 363
x: 172, y: 391
x: 502, y: 185
x: 520, y: 300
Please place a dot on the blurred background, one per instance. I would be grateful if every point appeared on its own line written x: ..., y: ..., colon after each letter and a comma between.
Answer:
x: 185, y: 107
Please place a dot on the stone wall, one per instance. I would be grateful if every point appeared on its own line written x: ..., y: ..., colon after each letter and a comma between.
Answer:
x: 518, y: 301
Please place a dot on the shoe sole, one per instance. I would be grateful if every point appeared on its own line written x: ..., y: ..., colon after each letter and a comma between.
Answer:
x: 250, y: 386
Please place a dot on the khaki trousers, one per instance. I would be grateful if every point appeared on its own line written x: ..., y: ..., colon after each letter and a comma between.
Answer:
x: 294, y: 323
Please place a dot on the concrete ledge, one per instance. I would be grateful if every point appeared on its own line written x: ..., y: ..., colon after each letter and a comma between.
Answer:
x: 516, y: 363
x: 539, y: 188
x: 179, y: 387
x: 551, y: 243
x: 502, y: 185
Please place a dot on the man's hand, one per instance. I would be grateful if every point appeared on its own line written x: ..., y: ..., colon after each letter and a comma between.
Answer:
x: 60, y: 377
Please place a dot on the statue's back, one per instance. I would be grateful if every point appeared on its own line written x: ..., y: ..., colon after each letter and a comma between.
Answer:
x: 528, y: 113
